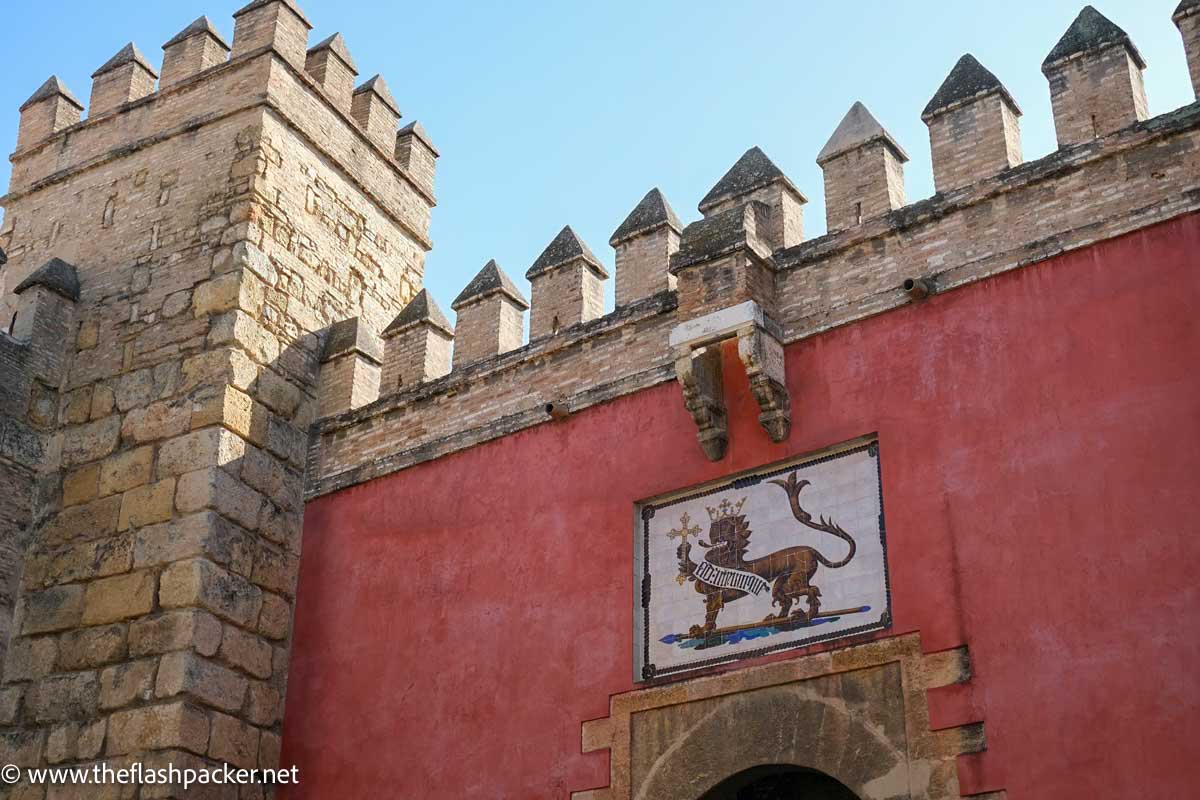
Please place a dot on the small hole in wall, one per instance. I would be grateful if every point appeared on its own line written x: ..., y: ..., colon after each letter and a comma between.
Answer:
x: 554, y: 324
x: 858, y: 213
x: 1095, y: 127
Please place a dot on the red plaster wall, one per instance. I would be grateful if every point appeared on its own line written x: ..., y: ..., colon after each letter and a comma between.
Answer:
x: 1040, y: 437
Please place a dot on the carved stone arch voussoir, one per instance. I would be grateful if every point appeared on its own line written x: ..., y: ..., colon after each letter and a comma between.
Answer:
x: 789, y: 724
x: 858, y: 714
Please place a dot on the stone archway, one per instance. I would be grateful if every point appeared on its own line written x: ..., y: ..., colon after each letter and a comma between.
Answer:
x: 850, y: 727
x: 858, y: 715
x: 779, y: 782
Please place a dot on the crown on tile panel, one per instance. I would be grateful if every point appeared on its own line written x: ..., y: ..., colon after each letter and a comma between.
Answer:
x: 1095, y: 75
x: 864, y: 170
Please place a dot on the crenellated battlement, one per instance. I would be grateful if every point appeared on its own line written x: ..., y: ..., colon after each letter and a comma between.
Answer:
x: 204, y: 80
x: 992, y: 212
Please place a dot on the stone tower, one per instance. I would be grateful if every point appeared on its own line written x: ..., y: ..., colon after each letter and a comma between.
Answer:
x: 174, y: 263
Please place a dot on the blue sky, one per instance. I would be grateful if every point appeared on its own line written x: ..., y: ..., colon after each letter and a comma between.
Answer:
x: 554, y: 113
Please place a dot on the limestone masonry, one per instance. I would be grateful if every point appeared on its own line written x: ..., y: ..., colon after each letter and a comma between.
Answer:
x: 214, y: 305
x: 174, y: 262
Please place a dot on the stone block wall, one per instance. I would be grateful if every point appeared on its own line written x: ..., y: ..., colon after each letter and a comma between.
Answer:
x: 32, y: 369
x: 220, y: 226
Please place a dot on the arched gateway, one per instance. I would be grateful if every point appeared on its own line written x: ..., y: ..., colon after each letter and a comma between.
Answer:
x: 691, y: 750
x: 779, y: 782
x: 847, y: 725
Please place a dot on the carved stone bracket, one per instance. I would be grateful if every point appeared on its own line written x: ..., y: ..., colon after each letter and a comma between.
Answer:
x: 698, y: 368
x: 699, y: 374
x: 762, y: 355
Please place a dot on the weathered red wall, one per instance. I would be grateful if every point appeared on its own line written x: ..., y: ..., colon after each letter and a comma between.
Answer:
x: 1040, y: 437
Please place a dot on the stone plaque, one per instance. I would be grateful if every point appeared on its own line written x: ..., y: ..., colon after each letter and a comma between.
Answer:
x: 783, y: 557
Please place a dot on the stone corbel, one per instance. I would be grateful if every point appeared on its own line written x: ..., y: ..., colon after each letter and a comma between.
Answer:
x: 762, y: 355
x: 697, y: 346
x: 699, y: 375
